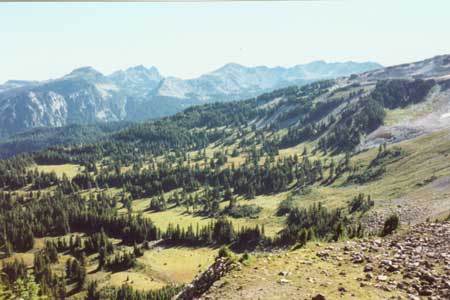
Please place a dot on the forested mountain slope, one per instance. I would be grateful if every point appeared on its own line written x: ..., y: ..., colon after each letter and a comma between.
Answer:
x: 337, y: 115
x: 41, y: 138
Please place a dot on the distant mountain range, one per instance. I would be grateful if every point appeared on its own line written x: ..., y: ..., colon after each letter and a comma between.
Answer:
x: 138, y: 93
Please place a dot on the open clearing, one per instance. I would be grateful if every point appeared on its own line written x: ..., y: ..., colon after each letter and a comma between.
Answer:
x: 69, y: 169
x: 177, y: 264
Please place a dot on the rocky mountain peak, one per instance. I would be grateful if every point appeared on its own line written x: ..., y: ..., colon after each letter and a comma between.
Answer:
x: 151, y: 73
x: 85, y: 73
x: 19, y: 82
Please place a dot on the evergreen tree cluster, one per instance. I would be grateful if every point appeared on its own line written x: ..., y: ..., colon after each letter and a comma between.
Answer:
x: 316, y: 221
x: 219, y: 232
x: 58, y: 215
x: 126, y: 292
x: 369, y: 113
x: 397, y: 93
x: 355, y: 121
x: 51, y: 284
x: 14, y: 270
x: 377, y: 167
x: 120, y: 261
x: 360, y: 204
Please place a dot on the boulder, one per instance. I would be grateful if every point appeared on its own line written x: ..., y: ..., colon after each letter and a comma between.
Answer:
x: 318, y: 297
x: 368, y: 268
x: 283, y: 281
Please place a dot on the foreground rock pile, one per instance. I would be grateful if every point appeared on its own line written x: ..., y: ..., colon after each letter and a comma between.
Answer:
x: 416, y: 263
x: 412, y: 265
x: 204, y: 281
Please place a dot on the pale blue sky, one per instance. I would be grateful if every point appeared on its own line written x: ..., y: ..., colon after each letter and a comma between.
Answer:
x: 48, y: 40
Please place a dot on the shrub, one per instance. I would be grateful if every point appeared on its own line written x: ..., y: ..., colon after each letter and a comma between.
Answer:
x: 225, y: 252
x: 359, y: 203
x: 390, y: 225
x: 245, y: 259
x: 243, y: 211
x: 285, y: 206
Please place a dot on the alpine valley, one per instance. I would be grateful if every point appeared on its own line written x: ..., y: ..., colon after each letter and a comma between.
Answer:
x: 317, y: 182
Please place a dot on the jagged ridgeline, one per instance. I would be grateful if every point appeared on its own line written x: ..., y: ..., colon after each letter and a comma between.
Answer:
x: 139, y: 93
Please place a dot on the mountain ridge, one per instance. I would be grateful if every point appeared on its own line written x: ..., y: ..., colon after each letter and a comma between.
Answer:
x: 137, y: 93
x: 283, y: 113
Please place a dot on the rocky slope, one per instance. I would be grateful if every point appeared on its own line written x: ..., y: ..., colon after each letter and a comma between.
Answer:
x: 438, y: 66
x: 413, y: 265
x: 203, y: 281
x: 138, y: 93
x: 429, y: 114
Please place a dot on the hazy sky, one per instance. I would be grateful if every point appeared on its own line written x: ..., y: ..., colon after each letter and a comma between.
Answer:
x: 48, y: 40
